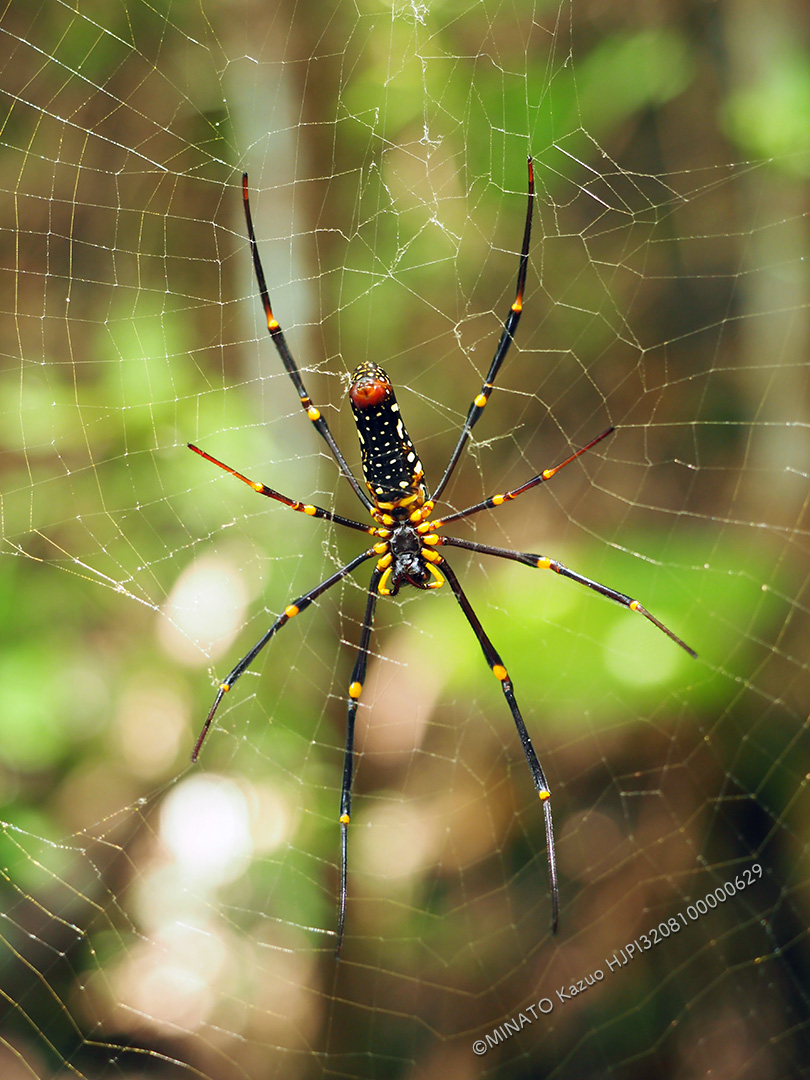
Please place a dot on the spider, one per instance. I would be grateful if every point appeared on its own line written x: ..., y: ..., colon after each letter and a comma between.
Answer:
x: 406, y: 535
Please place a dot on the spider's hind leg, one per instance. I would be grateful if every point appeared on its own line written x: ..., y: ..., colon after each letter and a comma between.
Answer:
x: 507, y: 335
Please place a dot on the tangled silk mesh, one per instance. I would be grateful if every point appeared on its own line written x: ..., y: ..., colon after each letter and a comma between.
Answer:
x: 167, y: 920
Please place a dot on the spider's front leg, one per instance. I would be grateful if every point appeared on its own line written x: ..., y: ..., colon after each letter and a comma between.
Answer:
x: 293, y: 609
x: 498, y: 669
x: 543, y: 562
x: 355, y: 690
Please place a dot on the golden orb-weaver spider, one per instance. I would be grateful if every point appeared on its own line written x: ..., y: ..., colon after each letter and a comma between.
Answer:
x: 406, y: 535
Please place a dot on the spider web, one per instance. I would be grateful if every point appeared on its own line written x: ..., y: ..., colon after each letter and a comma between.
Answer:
x: 170, y: 920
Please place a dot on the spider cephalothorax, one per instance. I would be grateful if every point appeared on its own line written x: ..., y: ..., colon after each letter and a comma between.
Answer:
x: 406, y: 536
x: 407, y: 561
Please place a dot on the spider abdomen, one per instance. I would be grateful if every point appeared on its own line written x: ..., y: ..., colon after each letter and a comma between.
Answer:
x: 391, y: 466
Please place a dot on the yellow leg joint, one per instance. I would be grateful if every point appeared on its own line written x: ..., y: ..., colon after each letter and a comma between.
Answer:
x: 545, y: 794
x: 291, y: 611
x: 481, y: 401
x: 224, y: 687
x: 499, y: 671
x: 634, y: 605
x: 543, y: 563
x: 313, y: 413
x: 382, y: 588
x: 438, y: 579
x: 344, y: 819
x: 355, y: 689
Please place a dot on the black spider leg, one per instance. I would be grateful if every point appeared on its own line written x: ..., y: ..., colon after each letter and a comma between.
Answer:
x: 280, y: 343
x: 293, y: 504
x: 542, y: 562
x: 355, y: 690
x: 538, y: 776
x: 291, y: 610
x: 510, y: 325
x: 498, y: 500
